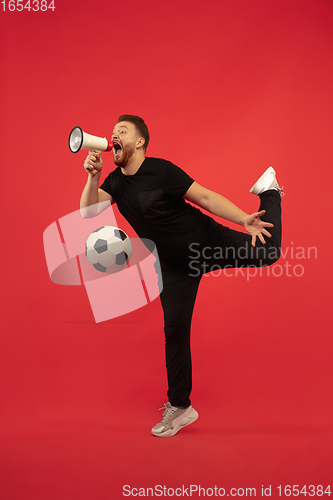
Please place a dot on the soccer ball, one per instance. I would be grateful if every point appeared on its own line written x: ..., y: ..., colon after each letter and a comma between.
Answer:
x: 108, y: 249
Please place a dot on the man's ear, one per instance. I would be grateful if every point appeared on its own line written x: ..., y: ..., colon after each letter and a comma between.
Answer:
x: 140, y: 142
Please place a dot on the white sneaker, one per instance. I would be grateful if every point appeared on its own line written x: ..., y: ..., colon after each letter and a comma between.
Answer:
x: 173, y: 420
x: 265, y: 182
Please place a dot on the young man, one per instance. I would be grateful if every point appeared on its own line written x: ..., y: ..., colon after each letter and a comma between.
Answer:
x: 151, y: 194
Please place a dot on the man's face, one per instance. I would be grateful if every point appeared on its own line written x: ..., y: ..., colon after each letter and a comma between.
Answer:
x: 124, y: 138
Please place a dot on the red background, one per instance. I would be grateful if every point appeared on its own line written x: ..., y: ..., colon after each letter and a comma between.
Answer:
x: 227, y: 88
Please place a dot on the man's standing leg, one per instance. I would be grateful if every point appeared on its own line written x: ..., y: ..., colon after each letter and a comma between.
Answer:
x: 177, y: 299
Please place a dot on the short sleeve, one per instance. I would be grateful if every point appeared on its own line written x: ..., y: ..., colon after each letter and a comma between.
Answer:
x: 106, y: 185
x: 177, y: 181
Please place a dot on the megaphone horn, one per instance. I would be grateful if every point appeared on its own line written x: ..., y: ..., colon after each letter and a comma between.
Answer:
x: 81, y: 140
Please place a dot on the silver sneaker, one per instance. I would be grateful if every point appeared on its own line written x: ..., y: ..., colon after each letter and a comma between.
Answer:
x: 173, y: 420
x: 265, y: 182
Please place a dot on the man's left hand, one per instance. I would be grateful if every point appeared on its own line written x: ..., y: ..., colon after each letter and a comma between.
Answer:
x: 256, y: 227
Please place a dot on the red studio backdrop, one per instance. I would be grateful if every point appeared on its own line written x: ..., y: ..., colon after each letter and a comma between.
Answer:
x: 227, y: 88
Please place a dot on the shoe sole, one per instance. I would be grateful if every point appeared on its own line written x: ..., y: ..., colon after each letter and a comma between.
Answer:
x: 180, y: 422
x: 270, y: 170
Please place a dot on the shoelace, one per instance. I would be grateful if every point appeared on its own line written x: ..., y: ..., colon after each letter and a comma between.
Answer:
x: 168, y: 411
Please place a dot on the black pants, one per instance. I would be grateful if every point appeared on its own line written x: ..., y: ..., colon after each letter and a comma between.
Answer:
x: 224, y: 248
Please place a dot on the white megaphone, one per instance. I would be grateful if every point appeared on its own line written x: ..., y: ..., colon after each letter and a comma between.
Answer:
x: 80, y: 140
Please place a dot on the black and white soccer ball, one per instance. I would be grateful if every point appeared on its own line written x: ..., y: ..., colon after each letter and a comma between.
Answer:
x: 108, y: 249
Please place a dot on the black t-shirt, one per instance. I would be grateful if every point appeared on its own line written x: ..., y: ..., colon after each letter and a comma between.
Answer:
x: 152, y: 201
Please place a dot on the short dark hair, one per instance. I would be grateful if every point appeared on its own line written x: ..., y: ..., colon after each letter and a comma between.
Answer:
x: 139, y: 125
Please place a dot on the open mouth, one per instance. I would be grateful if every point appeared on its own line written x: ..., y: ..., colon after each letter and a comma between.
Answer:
x: 117, y: 148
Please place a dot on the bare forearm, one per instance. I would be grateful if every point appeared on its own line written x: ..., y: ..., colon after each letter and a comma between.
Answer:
x: 222, y: 207
x: 90, y: 192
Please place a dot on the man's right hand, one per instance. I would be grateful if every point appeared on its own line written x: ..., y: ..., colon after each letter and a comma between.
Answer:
x: 93, y: 163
